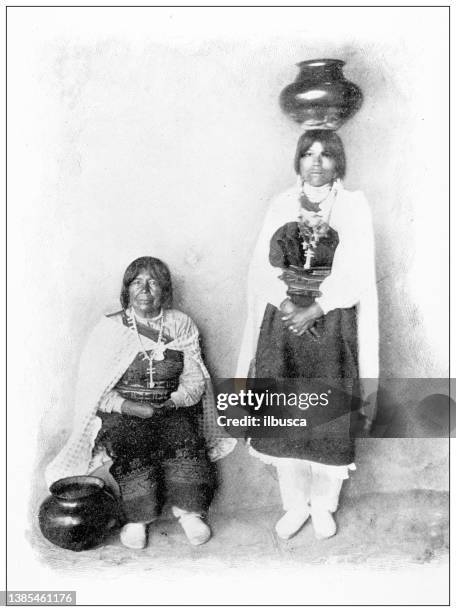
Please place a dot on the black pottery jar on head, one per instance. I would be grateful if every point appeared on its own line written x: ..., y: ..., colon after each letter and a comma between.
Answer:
x: 321, y: 97
x: 79, y: 513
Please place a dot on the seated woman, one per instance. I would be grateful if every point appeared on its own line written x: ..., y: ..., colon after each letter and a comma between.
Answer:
x: 140, y: 395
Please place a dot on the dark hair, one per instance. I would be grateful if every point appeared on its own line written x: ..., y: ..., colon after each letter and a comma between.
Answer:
x: 159, y: 271
x: 331, y: 143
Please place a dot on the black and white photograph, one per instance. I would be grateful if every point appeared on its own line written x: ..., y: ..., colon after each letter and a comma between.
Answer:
x: 227, y: 305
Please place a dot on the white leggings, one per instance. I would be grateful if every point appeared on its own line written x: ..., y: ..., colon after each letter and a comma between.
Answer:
x: 306, y: 483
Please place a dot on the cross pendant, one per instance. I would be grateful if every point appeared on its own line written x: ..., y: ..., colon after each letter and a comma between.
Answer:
x: 309, y: 256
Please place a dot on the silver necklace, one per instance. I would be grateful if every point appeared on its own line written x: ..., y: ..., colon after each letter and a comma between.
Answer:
x: 157, y: 353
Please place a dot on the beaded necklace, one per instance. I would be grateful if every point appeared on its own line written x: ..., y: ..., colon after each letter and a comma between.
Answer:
x: 311, y: 230
x: 156, y: 353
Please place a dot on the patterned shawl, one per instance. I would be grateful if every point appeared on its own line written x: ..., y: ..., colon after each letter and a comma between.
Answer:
x: 110, y: 350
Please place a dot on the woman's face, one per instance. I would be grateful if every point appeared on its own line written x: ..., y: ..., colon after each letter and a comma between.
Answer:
x: 317, y: 167
x: 145, y: 294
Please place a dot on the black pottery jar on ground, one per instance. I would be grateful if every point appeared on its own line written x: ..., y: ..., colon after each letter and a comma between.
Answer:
x: 321, y: 97
x: 79, y: 513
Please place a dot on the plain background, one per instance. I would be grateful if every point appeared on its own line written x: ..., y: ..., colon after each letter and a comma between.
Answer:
x: 158, y: 131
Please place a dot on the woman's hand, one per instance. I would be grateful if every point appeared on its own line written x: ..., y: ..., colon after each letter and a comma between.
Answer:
x: 165, y: 408
x: 137, y: 409
x: 287, y: 307
x: 300, y: 319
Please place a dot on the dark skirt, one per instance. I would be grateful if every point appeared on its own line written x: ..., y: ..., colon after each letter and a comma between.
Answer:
x: 331, y: 359
x: 156, y: 460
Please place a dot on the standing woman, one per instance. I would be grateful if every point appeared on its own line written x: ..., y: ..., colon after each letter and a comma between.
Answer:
x: 333, y: 338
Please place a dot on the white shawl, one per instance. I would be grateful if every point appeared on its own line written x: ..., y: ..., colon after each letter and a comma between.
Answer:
x: 351, y: 282
x: 111, y: 348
